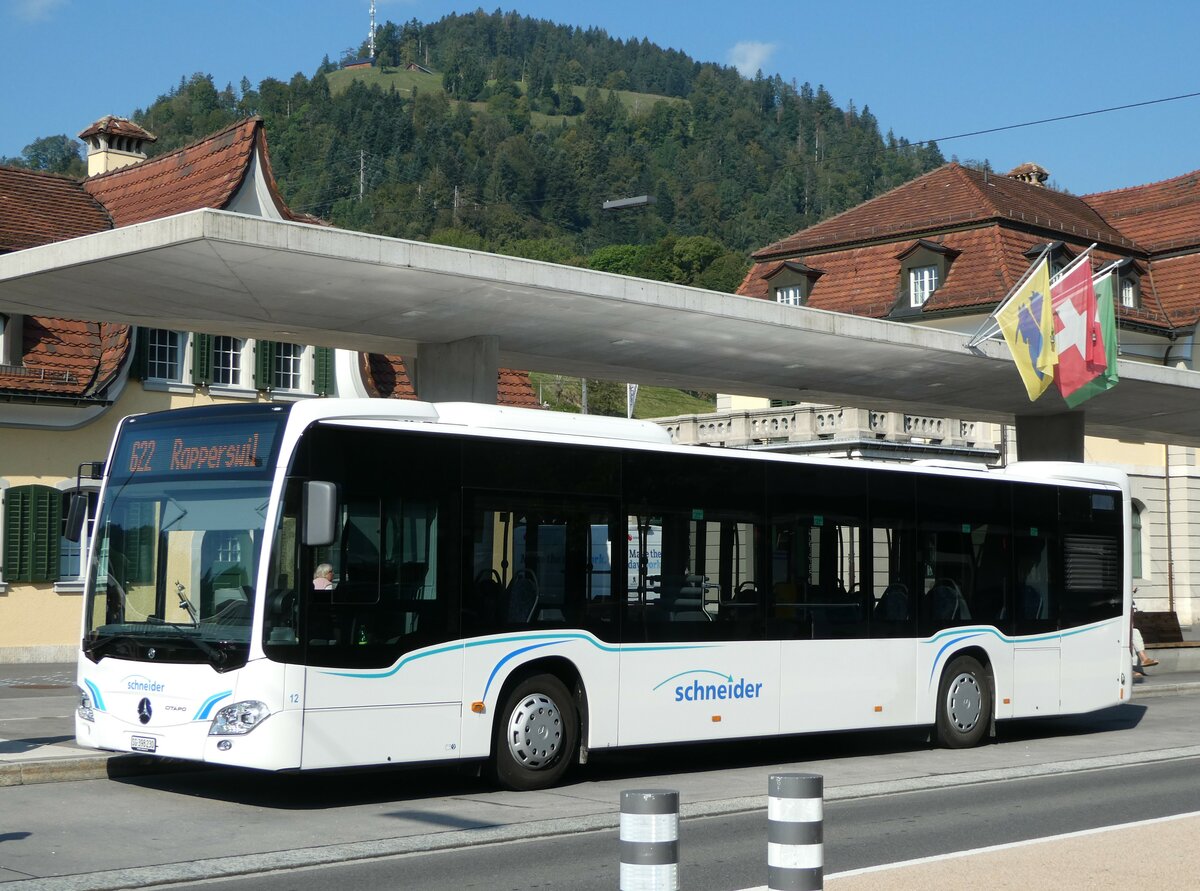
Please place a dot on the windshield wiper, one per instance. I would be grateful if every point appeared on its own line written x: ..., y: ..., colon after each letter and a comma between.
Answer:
x: 181, y: 591
x: 217, y: 655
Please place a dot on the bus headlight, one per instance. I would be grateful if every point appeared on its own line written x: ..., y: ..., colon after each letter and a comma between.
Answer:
x: 239, y: 718
x: 85, y: 709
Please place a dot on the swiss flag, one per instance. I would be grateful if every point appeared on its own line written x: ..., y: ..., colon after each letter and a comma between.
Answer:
x: 1078, y: 336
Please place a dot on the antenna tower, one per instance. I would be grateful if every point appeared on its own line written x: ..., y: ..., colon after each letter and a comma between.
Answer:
x: 371, y: 37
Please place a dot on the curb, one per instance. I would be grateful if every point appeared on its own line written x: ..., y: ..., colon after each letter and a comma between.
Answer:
x: 87, y: 767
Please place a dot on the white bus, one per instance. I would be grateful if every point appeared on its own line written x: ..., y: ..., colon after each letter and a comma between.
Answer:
x: 520, y: 588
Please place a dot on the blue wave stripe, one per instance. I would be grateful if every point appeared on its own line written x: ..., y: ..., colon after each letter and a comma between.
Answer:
x: 724, y: 677
x: 97, y: 699
x: 513, y: 655
x: 522, y: 638
x: 966, y: 633
x: 209, y: 703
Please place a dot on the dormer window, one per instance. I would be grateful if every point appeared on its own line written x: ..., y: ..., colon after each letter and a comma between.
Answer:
x: 792, y: 283
x: 922, y: 282
x: 924, y: 266
x: 1129, y: 284
x: 1130, y: 292
x: 1059, y: 255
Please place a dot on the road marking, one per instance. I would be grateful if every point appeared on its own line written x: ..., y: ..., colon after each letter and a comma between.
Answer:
x: 884, y: 867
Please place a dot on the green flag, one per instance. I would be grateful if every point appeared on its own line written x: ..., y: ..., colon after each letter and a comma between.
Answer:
x: 1106, y: 315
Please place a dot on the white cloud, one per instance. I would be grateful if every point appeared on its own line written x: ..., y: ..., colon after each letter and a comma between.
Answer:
x: 35, y: 10
x: 748, y: 56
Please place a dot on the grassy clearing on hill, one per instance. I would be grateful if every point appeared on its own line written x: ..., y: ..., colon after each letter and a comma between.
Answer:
x: 405, y: 81
x: 563, y: 393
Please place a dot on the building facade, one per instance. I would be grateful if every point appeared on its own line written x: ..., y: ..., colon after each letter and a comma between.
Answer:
x: 65, y: 383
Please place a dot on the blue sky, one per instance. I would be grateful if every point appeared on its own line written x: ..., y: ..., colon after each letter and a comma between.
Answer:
x: 926, y: 70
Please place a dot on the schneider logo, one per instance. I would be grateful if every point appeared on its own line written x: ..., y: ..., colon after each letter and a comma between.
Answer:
x: 143, y: 685
x: 704, y: 685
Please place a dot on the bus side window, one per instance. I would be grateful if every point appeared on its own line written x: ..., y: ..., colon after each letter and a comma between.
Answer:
x: 538, y: 563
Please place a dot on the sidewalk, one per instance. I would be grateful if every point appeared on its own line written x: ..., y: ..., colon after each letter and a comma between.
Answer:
x: 37, y: 726
x: 37, y: 730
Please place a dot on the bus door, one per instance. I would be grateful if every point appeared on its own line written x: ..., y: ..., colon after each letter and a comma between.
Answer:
x: 694, y: 664
x: 1036, y: 604
x: 539, y: 583
x: 382, y: 685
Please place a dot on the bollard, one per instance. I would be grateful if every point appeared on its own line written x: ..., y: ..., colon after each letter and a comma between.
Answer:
x: 795, y: 833
x: 649, y: 840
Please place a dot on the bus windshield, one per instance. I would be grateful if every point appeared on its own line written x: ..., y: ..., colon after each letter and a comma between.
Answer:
x: 178, y: 539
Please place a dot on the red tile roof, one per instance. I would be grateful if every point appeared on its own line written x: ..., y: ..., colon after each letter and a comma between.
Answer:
x: 67, y: 357
x: 39, y: 208
x: 207, y: 173
x: 1159, y: 216
x: 953, y: 197
x: 387, y: 377
x: 79, y: 359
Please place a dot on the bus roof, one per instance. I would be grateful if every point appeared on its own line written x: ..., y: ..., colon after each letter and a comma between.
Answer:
x: 598, y: 430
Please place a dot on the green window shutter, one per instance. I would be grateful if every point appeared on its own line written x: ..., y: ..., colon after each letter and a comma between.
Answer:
x: 264, y: 364
x: 16, y: 554
x: 323, y: 371
x: 46, y: 519
x: 140, y: 367
x: 32, y: 529
x: 202, y: 359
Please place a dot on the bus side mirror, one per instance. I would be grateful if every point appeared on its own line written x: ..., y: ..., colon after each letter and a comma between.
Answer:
x: 320, y: 513
x: 76, y: 514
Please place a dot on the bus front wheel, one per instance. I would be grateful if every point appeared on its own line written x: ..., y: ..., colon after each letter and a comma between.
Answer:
x: 964, y: 704
x: 537, y: 731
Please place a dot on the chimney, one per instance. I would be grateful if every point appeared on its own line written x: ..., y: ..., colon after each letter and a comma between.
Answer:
x: 1031, y: 173
x: 114, y: 143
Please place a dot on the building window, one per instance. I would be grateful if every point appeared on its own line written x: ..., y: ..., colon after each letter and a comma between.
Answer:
x: 227, y: 361
x: 922, y: 281
x: 71, y: 553
x: 1129, y: 292
x: 790, y: 296
x: 164, y: 354
x: 287, y: 371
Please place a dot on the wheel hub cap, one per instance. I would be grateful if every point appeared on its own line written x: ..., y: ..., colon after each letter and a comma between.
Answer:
x: 964, y: 702
x: 535, y: 731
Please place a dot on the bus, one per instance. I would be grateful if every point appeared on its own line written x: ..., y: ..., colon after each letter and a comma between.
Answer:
x: 338, y: 583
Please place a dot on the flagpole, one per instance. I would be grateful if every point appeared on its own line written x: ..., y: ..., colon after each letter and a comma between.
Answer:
x: 990, y: 323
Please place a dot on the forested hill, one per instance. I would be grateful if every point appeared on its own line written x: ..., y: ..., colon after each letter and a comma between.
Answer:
x: 518, y: 130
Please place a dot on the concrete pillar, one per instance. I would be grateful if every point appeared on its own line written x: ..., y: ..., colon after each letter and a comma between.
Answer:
x: 461, y: 371
x: 1050, y: 437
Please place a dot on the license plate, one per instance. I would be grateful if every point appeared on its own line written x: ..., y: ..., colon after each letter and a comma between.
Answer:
x: 143, y: 743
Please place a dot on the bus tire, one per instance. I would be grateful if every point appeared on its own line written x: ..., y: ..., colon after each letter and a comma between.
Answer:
x: 536, y: 734
x: 964, y: 704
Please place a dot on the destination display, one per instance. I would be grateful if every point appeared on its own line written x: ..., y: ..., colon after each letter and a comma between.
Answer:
x: 212, y: 449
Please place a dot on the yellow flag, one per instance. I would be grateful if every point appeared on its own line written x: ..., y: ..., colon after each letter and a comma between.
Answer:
x: 1027, y: 322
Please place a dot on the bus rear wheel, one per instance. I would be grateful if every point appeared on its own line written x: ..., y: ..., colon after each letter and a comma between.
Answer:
x: 537, y: 732
x: 964, y: 704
